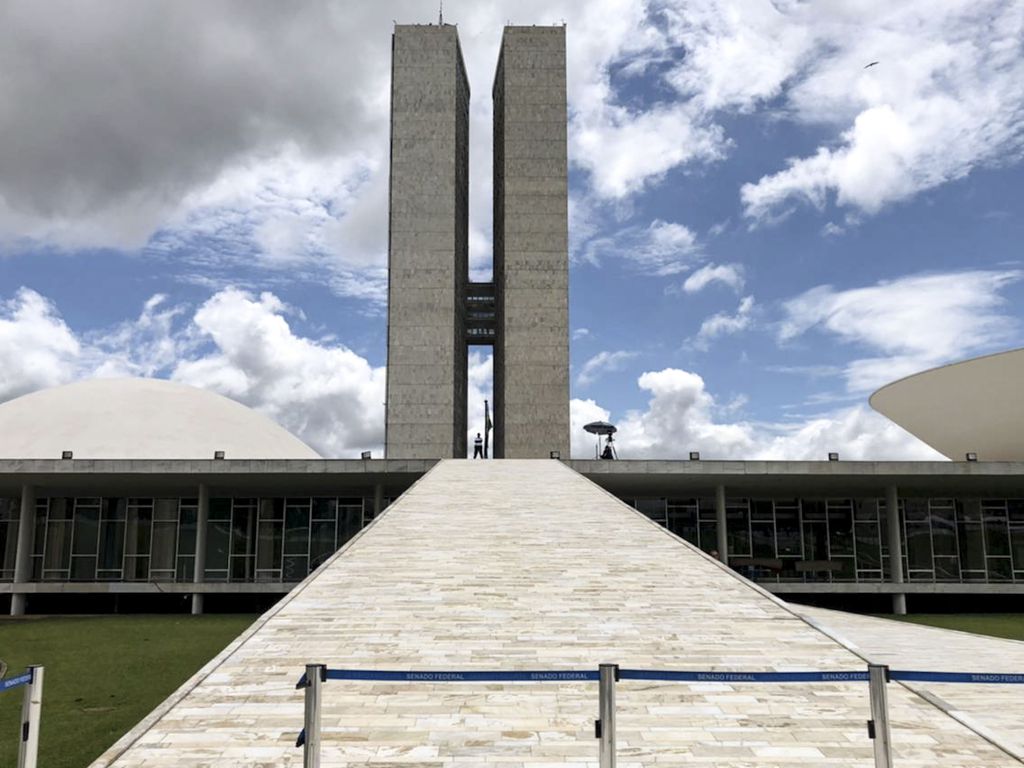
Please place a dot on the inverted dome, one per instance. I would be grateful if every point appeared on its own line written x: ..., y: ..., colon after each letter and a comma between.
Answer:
x: 973, y: 406
x: 139, y: 419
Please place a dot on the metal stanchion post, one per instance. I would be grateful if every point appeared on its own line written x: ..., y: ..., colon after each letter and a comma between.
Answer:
x: 878, y: 725
x: 315, y: 676
x: 608, y: 674
x: 31, y: 712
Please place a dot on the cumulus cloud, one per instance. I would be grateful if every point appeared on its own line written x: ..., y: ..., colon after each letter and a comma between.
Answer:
x: 724, y: 324
x: 37, y: 349
x: 235, y: 343
x: 220, y: 131
x: 601, y: 363
x: 727, y: 274
x: 583, y: 412
x: 189, y: 100
x: 911, y: 323
x: 326, y: 394
x: 245, y: 347
x: 682, y: 416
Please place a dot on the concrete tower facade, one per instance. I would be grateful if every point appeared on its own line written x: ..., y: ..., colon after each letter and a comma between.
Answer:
x: 531, y: 245
x: 427, y: 244
x: 434, y: 311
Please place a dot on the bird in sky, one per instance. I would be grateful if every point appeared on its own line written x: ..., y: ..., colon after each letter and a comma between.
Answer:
x: 871, y: 64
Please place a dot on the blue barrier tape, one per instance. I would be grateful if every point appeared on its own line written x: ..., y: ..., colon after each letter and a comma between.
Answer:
x: 13, y: 682
x: 457, y: 677
x: 742, y: 677
x: 956, y: 677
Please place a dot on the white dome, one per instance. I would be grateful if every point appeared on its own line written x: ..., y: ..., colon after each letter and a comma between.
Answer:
x: 139, y: 419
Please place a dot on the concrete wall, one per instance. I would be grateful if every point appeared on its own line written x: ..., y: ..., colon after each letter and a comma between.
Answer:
x: 531, y: 368
x: 427, y: 245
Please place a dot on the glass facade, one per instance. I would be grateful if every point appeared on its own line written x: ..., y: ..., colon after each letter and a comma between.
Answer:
x: 846, y: 539
x: 154, y: 539
x: 10, y: 510
x: 283, y: 539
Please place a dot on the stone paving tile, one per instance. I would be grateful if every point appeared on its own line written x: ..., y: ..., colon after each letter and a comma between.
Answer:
x: 519, y: 565
x: 996, y: 709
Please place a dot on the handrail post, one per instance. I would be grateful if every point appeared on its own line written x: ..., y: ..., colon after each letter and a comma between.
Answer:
x: 31, y: 712
x: 878, y: 725
x: 608, y: 674
x: 316, y: 674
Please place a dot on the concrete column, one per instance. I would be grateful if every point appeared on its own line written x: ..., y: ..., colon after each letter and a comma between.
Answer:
x: 202, y: 517
x: 892, y: 512
x: 23, y: 555
x: 378, y: 500
x: 723, y: 535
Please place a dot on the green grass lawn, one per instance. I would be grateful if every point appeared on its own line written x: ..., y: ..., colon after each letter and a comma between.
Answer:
x: 103, y: 675
x: 1009, y: 625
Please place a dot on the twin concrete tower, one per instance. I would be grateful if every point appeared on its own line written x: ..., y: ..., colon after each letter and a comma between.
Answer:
x: 434, y: 312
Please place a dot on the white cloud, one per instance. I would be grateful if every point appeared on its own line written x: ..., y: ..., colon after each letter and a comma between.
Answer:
x: 724, y: 324
x: 37, y: 349
x: 682, y: 416
x: 946, y: 97
x: 583, y: 412
x: 326, y: 394
x: 727, y: 274
x: 237, y: 344
x: 480, y: 381
x: 915, y: 322
x: 580, y: 333
x: 625, y: 150
x: 660, y: 248
x: 601, y: 363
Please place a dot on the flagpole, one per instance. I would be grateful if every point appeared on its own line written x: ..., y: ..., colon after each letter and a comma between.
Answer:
x: 487, y: 427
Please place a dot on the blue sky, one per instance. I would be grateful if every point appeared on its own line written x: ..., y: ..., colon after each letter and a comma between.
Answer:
x: 763, y: 230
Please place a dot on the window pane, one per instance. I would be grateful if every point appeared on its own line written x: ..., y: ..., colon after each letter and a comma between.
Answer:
x: 187, y: 530
x: 325, y: 509
x: 997, y: 536
x: 815, y: 541
x: 165, y: 509
x: 186, y: 568
x: 111, y: 545
x: 321, y: 543
x: 840, y: 528
x: 164, y: 541
x: 136, y: 568
x: 944, y: 531
x: 87, y: 525
x: 138, y: 530
x: 762, y: 539
x: 869, y: 556
x: 350, y: 519
x: 947, y: 569
x: 58, y: 545
x: 787, y: 531
x: 682, y: 521
x: 218, y: 539
x: 737, y: 519
x: 220, y: 509
x: 296, y: 534
x: 999, y: 569
x: 708, y: 536
x: 268, y: 550
x: 242, y: 528
x: 83, y: 568
x: 919, y: 546
x: 296, y: 568
x: 653, y: 508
